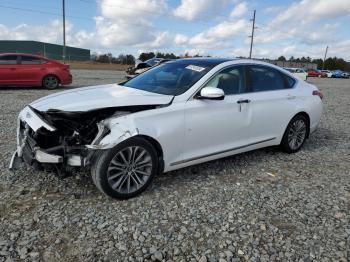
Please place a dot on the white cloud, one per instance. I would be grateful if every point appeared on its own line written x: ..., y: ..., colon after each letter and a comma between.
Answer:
x: 161, y: 39
x: 180, y: 39
x: 190, y: 9
x: 50, y: 33
x: 222, y: 31
x: 239, y: 10
x: 122, y: 24
x: 308, y: 11
x: 134, y: 10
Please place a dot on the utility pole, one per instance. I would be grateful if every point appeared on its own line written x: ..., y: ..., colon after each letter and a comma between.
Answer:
x: 252, y: 36
x: 64, y: 30
x: 324, y: 59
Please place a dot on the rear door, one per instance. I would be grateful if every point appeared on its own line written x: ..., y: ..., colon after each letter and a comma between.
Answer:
x: 9, y: 74
x: 32, y: 70
x: 272, y: 101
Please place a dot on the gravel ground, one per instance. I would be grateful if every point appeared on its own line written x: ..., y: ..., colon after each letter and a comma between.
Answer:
x: 259, y: 206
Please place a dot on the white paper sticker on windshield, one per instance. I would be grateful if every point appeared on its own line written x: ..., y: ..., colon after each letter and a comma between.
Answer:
x: 195, y: 68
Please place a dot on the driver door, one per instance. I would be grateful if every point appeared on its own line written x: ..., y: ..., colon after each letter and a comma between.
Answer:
x: 218, y: 126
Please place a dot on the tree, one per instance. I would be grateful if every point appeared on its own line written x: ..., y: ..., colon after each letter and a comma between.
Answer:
x: 146, y: 56
x: 281, y: 58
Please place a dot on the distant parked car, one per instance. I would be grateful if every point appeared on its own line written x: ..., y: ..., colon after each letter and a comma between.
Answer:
x: 299, y: 72
x: 337, y: 74
x: 327, y: 72
x: 340, y: 74
x: 144, y: 66
x: 345, y: 75
x: 316, y: 73
x: 32, y: 70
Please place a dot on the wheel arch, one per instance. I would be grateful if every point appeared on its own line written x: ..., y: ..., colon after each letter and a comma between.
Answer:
x: 157, y: 147
x: 306, y: 115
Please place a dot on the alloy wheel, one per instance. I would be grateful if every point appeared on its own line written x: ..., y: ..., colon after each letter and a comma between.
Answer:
x: 297, y: 134
x: 129, y: 169
x: 50, y: 82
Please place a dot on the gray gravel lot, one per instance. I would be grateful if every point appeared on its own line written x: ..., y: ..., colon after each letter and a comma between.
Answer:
x: 260, y: 206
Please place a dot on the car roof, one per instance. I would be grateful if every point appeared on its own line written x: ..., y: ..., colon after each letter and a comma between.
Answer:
x: 23, y: 54
x: 203, y: 61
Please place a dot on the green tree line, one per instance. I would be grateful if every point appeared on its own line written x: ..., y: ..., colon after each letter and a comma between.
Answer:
x: 331, y: 63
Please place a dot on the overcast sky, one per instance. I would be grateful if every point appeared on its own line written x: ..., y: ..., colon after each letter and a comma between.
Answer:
x: 214, y: 27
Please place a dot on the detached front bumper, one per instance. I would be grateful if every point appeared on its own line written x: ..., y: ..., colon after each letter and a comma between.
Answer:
x: 27, y: 149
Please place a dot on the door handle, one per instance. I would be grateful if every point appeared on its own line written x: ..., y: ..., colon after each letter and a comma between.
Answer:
x: 290, y: 97
x: 12, y: 68
x: 241, y: 101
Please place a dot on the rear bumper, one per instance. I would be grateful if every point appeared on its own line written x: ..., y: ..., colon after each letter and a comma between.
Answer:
x: 67, y: 80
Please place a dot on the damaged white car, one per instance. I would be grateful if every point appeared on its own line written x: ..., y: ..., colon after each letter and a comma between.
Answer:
x: 178, y: 114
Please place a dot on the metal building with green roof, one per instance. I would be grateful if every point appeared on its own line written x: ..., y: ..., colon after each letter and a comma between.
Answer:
x: 48, y: 50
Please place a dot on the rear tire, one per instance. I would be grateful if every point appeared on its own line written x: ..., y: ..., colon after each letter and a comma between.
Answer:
x: 295, y: 135
x: 126, y: 170
x: 50, y: 82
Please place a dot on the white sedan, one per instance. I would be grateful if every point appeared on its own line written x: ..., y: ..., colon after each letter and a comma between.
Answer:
x: 178, y: 114
x: 299, y: 72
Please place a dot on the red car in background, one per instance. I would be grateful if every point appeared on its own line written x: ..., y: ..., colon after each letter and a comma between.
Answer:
x: 316, y: 73
x: 32, y: 70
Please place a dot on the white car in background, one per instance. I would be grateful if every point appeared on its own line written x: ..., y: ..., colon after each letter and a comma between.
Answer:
x: 175, y: 115
x: 328, y: 73
x: 299, y: 72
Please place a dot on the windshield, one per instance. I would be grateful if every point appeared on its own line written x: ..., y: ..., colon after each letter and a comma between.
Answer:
x: 172, y: 78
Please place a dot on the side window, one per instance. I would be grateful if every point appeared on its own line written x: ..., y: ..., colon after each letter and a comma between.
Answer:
x: 30, y: 60
x: 230, y: 80
x: 263, y: 78
x: 8, y: 60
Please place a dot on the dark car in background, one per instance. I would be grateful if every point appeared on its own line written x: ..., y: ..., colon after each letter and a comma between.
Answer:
x: 144, y: 66
x: 32, y: 70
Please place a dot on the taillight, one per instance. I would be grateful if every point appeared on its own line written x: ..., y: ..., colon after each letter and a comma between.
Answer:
x: 317, y: 93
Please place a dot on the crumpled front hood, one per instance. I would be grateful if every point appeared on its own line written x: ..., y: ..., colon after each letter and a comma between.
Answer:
x: 95, y: 97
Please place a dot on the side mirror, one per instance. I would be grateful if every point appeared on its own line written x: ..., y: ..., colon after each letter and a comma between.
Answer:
x: 212, y: 93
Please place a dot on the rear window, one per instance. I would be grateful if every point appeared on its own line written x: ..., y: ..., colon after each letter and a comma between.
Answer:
x: 31, y: 60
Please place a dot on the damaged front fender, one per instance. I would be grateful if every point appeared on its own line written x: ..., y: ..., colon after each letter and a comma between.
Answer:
x: 119, y: 129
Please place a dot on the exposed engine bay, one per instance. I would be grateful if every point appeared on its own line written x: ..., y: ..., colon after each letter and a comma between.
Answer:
x: 65, y: 139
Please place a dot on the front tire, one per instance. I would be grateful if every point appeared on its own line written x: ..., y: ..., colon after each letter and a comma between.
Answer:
x: 126, y: 170
x: 295, y: 135
x: 50, y: 82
